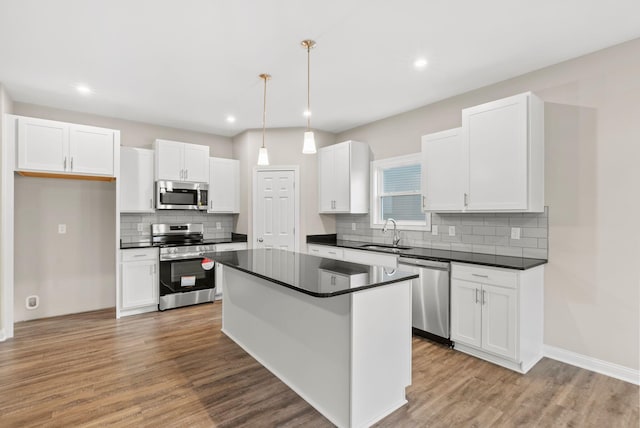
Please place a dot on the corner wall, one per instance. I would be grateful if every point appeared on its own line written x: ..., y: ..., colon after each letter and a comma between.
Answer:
x: 6, y: 246
x: 592, y: 112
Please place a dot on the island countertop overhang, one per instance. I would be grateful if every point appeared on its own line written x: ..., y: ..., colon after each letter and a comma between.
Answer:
x: 311, y: 275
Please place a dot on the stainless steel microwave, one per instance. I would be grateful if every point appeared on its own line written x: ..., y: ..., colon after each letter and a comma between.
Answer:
x: 177, y: 195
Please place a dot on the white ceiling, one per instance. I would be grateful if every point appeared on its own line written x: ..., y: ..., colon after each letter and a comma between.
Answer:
x: 190, y: 63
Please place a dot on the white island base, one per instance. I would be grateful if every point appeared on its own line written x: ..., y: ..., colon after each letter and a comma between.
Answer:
x: 348, y: 356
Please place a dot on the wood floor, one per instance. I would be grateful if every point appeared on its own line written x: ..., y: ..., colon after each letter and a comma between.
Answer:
x: 176, y: 369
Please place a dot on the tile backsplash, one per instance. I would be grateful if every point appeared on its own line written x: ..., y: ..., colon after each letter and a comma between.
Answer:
x: 129, y: 223
x: 486, y: 233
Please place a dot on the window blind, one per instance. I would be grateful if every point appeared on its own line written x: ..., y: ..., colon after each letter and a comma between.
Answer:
x: 400, y: 197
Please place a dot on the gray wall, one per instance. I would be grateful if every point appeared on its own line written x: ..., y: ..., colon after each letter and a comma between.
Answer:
x: 75, y: 272
x: 592, y: 281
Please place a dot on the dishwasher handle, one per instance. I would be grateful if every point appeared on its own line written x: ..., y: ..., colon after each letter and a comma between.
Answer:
x: 430, y: 264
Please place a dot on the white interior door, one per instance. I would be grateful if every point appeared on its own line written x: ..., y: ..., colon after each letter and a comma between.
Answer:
x: 275, y: 210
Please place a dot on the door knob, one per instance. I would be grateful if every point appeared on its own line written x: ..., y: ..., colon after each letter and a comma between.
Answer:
x: 260, y: 239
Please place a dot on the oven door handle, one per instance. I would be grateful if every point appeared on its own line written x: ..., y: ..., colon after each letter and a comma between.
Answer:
x: 185, y: 256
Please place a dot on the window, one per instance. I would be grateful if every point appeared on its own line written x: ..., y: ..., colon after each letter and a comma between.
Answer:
x: 396, y: 193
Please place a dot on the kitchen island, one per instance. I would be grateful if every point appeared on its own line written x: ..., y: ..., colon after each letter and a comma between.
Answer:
x: 337, y: 333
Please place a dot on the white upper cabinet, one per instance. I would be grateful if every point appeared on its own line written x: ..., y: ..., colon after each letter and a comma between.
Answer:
x: 58, y: 147
x: 444, y: 172
x: 224, y: 185
x: 136, y: 180
x: 176, y: 161
x: 494, y: 163
x: 505, y: 146
x: 343, y: 178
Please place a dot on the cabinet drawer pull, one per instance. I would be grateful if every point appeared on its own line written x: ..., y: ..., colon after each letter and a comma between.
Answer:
x: 484, y: 297
x: 332, y: 252
x: 466, y: 199
x: 476, y: 295
x: 480, y: 276
x: 71, y: 163
x: 65, y: 163
x: 139, y: 255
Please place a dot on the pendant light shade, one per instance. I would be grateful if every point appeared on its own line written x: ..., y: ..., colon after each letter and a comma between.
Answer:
x: 263, y: 156
x: 309, y: 146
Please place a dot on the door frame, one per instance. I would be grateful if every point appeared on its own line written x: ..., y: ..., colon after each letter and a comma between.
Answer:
x: 296, y: 205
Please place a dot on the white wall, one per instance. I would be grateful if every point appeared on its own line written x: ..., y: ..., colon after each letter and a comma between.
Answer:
x: 6, y: 106
x: 592, y: 280
x: 285, y: 148
x: 74, y: 272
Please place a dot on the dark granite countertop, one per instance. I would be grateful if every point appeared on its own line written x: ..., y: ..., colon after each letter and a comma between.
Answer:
x: 519, y: 263
x: 315, y: 276
x: 235, y: 237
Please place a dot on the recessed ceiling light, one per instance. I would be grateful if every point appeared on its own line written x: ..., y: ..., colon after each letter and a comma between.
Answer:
x: 231, y: 119
x: 84, y: 89
x: 420, y: 63
x: 306, y: 113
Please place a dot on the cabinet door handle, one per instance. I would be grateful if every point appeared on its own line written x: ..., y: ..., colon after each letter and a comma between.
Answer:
x: 71, y: 163
x: 476, y: 293
x: 186, y: 174
x: 65, y: 163
x: 466, y: 199
x: 480, y: 276
x: 154, y: 268
x: 211, y: 205
x: 484, y: 297
x: 424, y: 203
x: 151, y: 203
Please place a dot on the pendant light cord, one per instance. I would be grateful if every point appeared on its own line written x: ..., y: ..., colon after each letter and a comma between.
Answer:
x: 308, y: 87
x: 264, y: 106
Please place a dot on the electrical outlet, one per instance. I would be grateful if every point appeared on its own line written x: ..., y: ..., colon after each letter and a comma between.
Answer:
x: 218, y: 225
x: 515, y: 233
x: 62, y: 229
x: 353, y: 226
x: 452, y: 231
x: 434, y: 229
x: 140, y: 227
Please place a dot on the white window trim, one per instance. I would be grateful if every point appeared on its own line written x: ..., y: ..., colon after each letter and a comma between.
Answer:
x: 376, y: 177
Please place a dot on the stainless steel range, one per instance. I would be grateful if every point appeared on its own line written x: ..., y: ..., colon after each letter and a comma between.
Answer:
x: 186, y: 276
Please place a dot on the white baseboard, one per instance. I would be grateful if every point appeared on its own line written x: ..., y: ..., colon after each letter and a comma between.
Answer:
x: 593, y: 364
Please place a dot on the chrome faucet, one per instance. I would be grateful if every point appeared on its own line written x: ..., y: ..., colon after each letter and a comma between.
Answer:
x: 396, y: 237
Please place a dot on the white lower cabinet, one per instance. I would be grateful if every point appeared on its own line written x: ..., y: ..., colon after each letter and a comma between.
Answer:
x: 497, y: 314
x: 326, y: 251
x: 139, y: 281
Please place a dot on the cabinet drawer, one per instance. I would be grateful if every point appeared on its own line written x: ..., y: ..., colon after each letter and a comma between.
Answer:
x: 485, y: 275
x: 139, y: 254
x: 326, y: 251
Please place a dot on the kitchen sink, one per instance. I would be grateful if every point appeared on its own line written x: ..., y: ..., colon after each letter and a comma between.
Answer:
x: 382, y: 247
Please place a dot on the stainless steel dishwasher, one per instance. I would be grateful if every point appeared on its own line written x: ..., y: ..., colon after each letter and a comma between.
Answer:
x: 430, y: 298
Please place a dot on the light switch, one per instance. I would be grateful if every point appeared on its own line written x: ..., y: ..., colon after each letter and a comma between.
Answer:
x: 452, y: 231
x: 140, y: 227
x: 434, y: 229
x: 515, y: 233
x: 218, y: 225
x: 353, y: 226
x: 62, y: 229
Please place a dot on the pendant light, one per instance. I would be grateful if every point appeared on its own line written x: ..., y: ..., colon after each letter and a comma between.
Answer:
x: 309, y: 146
x: 263, y: 156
